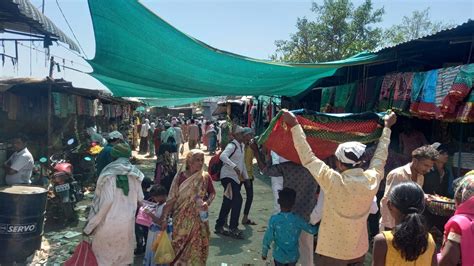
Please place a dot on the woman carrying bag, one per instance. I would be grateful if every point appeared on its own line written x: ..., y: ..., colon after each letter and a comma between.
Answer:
x: 191, y: 194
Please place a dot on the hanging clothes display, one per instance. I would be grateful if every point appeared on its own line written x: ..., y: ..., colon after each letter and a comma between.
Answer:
x: 424, y: 106
x: 402, y: 92
x: 56, y: 103
x: 327, y: 99
x: 387, y: 89
x: 466, y: 110
x: 95, y: 107
x: 71, y: 105
x: 344, y: 98
x: 445, y: 83
x: 462, y: 86
x: 367, y: 95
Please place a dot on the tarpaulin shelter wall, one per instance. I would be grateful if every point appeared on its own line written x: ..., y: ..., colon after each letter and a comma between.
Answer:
x: 150, y: 58
x: 24, y: 109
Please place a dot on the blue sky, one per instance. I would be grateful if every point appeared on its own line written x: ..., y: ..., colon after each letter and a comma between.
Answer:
x: 244, y: 27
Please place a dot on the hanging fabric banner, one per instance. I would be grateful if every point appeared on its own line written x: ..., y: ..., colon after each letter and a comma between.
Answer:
x: 324, y: 132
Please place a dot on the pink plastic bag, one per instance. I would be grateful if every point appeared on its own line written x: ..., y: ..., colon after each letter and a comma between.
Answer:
x: 142, y: 217
x: 83, y: 256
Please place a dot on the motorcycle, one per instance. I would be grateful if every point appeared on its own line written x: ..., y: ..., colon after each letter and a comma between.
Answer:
x: 83, y: 158
x: 63, y: 191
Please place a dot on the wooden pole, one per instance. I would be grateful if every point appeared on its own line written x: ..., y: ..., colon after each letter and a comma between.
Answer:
x: 50, y: 103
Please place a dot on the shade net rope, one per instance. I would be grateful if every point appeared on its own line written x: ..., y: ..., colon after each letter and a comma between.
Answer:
x: 324, y: 132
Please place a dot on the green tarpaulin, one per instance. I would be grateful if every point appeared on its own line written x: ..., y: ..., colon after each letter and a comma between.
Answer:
x: 138, y: 54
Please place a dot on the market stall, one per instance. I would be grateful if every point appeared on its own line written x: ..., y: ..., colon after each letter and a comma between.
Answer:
x: 24, y: 109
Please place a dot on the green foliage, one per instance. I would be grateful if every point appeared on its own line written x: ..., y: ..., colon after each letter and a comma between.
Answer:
x: 414, y: 27
x: 340, y: 30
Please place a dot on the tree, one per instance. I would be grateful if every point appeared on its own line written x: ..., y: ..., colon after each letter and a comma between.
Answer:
x: 414, y: 27
x: 339, y: 31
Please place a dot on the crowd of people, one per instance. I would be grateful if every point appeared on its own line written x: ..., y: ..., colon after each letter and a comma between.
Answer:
x: 333, y: 200
x: 349, y: 191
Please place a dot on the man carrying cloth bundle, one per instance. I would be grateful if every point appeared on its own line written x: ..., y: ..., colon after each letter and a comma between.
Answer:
x: 349, y: 193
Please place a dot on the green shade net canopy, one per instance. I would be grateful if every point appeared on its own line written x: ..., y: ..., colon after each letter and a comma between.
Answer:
x: 138, y: 54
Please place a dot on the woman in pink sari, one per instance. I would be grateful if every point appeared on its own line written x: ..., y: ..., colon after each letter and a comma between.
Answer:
x: 190, y: 195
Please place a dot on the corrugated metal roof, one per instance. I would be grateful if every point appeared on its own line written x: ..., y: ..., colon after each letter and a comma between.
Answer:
x: 455, y: 30
x: 23, y: 16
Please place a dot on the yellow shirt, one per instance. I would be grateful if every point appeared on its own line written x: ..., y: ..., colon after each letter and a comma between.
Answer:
x: 394, y: 257
x: 348, y: 197
x: 395, y: 177
x: 248, y: 159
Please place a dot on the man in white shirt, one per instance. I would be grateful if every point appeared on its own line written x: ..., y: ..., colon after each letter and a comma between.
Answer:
x: 19, y: 166
x: 233, y: 172
x: 144, y: 137
x: 179, y: 138
x: 277, y: 181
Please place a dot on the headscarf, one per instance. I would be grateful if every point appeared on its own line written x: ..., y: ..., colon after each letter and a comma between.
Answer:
x: 170, y: 132
x: 190, y: 154
x: 115, y: 135
x: 121, y: 150
x: 464, y: 189
x: 152, y: 126
x: 122, y: 169
x: 355, y: 147
x: 210, y: 129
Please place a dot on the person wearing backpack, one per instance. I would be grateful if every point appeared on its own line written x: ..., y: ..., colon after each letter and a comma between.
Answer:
x: 233, y: 172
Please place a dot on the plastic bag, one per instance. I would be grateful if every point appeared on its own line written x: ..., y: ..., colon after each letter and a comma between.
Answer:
x: 164, y: 252
x: 156, y: 242
x: 142, y: 217
x: 83, y: 255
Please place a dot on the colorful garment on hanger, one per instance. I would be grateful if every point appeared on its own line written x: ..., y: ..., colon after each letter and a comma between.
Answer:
x: 71, y: 105
x: 387, y: 90
x: 367, y: 95
x: 466, y: 110
x: 424, y: 105
x: 324, y: 132
x: 402, y: 91
x: 344, y: 98
x: 56, y: 103
x: 417, y: 86
x: 461, y: 87
x: 445, y: 83
x: 327, y: 99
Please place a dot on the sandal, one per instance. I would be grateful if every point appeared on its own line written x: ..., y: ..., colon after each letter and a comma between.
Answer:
x: 236, y: 234
x: 249, y: 222
x: 221, y: 231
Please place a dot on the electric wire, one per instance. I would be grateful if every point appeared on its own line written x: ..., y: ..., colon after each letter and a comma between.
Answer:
x: 70, y: 28
x: 56, y: 56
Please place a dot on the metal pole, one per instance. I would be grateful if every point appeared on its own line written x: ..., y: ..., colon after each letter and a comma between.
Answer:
x: 42, y: 7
